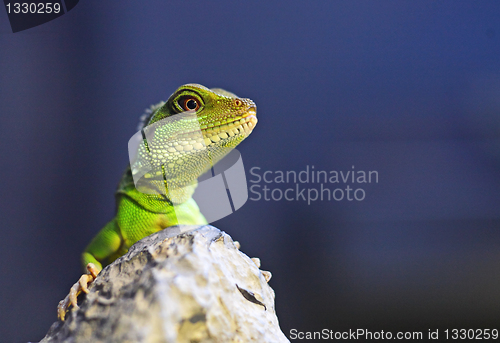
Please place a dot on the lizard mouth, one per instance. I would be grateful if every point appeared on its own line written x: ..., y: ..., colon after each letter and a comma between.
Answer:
x: 235, y: 128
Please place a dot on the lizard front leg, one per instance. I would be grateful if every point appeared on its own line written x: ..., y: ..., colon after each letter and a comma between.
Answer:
x: 107, y: 242
x: 76, y: 289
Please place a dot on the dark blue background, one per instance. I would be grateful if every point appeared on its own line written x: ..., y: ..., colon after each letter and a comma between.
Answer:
x: 410, y: 89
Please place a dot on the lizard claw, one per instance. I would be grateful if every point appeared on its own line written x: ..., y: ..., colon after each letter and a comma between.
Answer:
x: 76, y: 289
x: 92, y: 269
x: 82, y: 284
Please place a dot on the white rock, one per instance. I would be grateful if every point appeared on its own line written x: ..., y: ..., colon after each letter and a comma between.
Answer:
x: 183, y: 284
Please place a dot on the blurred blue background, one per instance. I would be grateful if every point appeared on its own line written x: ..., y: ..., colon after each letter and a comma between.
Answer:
x: 409, y: 89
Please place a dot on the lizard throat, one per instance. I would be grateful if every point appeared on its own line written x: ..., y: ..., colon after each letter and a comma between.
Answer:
x: 228, y: 135
x: 173, y: 151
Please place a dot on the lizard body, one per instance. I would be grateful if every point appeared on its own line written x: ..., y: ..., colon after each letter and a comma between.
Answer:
x: 180, y: 155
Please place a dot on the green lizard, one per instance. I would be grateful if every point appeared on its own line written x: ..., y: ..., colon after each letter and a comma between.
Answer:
x: 180, y: 155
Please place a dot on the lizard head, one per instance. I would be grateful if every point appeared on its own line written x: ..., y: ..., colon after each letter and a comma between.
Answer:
x: 194, y: 129
x: 224, y: 119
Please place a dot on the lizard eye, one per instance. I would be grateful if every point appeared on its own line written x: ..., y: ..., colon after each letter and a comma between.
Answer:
x: 189, y: 104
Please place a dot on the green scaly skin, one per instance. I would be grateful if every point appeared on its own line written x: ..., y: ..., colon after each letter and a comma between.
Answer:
x: 224, y: 119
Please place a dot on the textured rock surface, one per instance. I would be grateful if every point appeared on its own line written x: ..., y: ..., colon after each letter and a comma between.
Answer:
x: 183, y: 284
